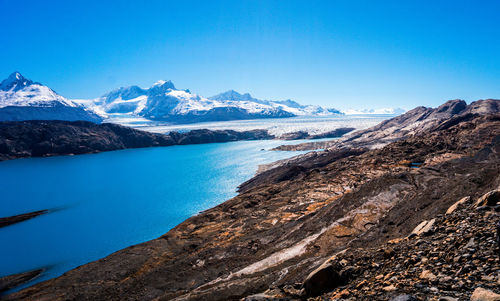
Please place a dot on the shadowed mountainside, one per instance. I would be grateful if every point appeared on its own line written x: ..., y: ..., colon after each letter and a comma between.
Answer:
x: 51, y: 138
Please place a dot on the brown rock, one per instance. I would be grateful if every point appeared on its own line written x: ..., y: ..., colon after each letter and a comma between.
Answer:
x: 457, y: 204
x: 342, y: 294
x: 389, y: 288
x: 424, y: 227
x: 427, y: 275
x: 325, y: 278
x: 481, y: 294
x: 489, y: 199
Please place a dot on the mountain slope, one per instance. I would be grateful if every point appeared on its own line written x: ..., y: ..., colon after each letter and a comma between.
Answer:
x: 289, y: 106
x: 413, y: 122
x: 23, y: 99
x: 164, y: 102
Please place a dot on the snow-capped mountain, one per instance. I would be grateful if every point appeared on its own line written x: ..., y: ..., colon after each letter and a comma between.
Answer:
x: 288, y: 105
x: 23, y: 99
x: 382, y: 111
x: 163, y: 101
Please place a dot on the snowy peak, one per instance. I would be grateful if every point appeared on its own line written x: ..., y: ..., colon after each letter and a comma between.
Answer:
x: 17, y: 90
x: 125, y: 93
x: 15, y: 82
x: 233, y: 96
x: 164, y: 84
x: 133, y: 92
x: 289, y: 106
x: 162, y: 101
x: 23, y: 99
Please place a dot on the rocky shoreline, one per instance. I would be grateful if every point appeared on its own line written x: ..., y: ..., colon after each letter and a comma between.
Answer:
x: 24, y: 139
x: 346, y: 212
x: 13, y: 281
x: 37, y: 138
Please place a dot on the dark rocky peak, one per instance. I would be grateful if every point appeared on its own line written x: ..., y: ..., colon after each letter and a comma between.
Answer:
x: 484, y: 106
x: 15, y: 82
x: 450, y: 108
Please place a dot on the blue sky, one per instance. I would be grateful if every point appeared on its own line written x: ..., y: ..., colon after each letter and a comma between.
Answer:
x: 343, y: 54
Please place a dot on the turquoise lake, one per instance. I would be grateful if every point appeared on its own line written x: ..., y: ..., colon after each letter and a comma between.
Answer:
x: 108, y: 201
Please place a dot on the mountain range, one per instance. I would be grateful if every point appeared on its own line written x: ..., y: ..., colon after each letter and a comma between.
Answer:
x: 164, y: 102
x: 24, y: 99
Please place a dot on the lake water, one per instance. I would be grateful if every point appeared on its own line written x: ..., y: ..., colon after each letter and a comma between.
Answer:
x: 111, y: 200
x: 108, y: 201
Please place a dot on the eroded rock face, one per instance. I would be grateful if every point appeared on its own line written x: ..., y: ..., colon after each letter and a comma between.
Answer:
x: 287, y: 222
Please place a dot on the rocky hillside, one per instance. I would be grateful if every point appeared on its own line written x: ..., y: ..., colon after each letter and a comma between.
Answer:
x: 51, y: 138
x: 451, y: 257
x: 413, y: 122
x: 350, y: 203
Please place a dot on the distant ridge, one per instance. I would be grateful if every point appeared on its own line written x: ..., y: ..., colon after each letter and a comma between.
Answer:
x: 164, y: 102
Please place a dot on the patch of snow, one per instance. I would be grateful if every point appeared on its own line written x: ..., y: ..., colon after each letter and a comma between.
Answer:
x: 380, y: 111
x: 33, y: 95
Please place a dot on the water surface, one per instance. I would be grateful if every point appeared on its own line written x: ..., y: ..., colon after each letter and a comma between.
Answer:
x: 111, y: 200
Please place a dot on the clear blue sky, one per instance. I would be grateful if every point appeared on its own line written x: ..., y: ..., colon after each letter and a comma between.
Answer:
x: 336, y: 53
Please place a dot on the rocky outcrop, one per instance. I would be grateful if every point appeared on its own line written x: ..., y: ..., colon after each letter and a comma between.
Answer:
x: 414, y: 122
x: 288, y: 221
x: 331, y: 274
x: 51, y: 138
x: 7, y: 221
x: 12, y: 281
x: 489, y: 199
x: 305, y: 135
x: 459, y: 203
